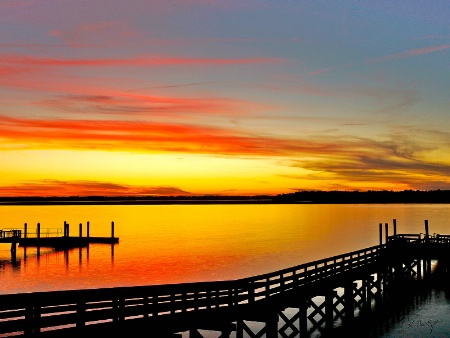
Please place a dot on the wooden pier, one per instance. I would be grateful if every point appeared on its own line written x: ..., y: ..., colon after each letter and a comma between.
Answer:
x: 346, y: 288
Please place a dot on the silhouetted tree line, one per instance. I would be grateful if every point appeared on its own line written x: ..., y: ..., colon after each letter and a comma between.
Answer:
x: 314, y: 196
x: 371, y: 196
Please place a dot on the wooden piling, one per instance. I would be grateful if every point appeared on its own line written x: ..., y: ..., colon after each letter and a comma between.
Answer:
x: 426, y: 228
x: 87, y: 229
x: 38, y: 230
x: 112, y: 229
x: 329, y: 311
x: 81, y: 230
x: 381, y: 233
x: 386, y: 225
x: 395, y: 226
x: 25, y: 226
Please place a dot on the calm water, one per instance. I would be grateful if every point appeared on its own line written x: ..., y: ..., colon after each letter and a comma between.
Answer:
x: 161, y: 244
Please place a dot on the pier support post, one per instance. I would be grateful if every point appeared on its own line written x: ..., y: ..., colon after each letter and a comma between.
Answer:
x: 329, y: 310
x: 303, y: 317
x: 368, y: 283
x: 395, y: 226
x: 381, y: 233
x: 112, y: 229
x: 13, y: 252
x: 349, y: 300
x: 39, y: 230
x: 272, y: 326
x: 419, y: 269
x: 81, y: 230
x: 386, y: 226
x: 66, y: 229
x: 87, y: 229
x: 25, y: 229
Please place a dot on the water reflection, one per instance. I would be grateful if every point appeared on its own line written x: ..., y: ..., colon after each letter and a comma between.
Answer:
x: 33, y: 255
x: 408, y: 312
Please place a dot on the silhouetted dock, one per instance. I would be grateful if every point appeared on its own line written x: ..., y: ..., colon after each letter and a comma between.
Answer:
x: 54, y: 238
x: 346, y: 288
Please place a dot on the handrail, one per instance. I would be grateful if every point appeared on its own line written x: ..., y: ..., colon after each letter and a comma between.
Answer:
x: 10, y: 233
x: 44, y: 232
x: 40, y: 311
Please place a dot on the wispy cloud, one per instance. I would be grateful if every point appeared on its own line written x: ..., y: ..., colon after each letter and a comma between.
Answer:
x: 131, y: 104
x: 409, y: 53
x: 52, y: 187
x: 95, y: 34
x: 138, y: 61
x: 141, y: 136
x: 400, y: 162
x: 320, y: 71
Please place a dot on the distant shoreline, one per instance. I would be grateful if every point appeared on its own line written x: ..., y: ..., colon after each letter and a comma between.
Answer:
x: 301, y: 197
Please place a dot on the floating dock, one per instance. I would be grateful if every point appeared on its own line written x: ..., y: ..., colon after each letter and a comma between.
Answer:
x: 54, y: 238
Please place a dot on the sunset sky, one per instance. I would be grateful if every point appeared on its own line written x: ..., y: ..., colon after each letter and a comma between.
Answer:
x: 226, y: 97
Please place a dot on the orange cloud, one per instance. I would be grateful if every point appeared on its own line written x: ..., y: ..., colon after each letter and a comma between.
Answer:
x: 410, y: 53
x: 147, y: 136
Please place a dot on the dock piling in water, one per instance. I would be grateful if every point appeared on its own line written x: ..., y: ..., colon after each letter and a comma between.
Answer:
x: 386, y: 226
x: 381, y: 233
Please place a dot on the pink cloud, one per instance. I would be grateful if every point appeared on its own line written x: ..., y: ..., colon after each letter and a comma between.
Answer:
x: 162, y: 61
x: 98, y: 34
x: 320, y: 71
x: 410, y: 53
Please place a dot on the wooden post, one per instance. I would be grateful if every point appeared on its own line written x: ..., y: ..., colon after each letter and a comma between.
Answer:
x: 386, y: 225
x: 395, y: 227
x: 303, y: 316
x: 419, y: 269
x: 39, y: 230
x: 112, y: 229
x: 81, y: 229
x: 348, y: 300
x: 381, y: 234
x: 329, y: 311
x: 25, y: 226
x: 426, y: 228
x: 65, y: 229
x: 87, y: 229
x: 272, y: 326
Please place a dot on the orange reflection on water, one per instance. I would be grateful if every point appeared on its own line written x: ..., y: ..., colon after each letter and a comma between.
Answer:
x: 161, y: 244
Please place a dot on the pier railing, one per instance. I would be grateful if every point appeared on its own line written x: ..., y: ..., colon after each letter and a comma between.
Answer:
x: 31, y: 233
x: 10, y: 233
x: 59, y: 311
